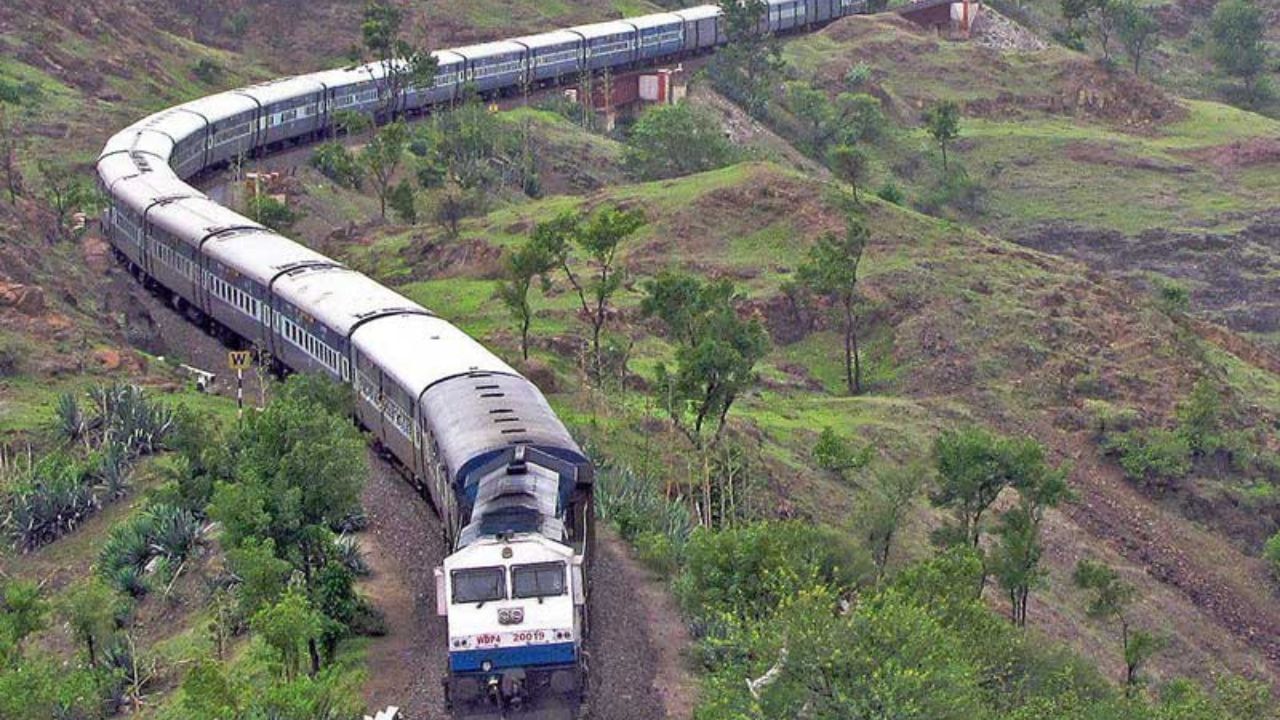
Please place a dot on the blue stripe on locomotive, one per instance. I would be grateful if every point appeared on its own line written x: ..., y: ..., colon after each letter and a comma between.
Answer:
x: 462, y: 661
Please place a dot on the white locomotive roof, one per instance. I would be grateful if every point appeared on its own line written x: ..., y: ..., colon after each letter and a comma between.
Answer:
x: 656, y: 20
x: 261, y: 254
x: 269, y: 93
x: 194, y: 219
x: 221, y: 106
x: 604, y: 29
x: 339, y: 298
x: 549, y: 39
x: 419, y: 351
x: 349, y: 75
x: 701, y: 12
x: 490, y: 49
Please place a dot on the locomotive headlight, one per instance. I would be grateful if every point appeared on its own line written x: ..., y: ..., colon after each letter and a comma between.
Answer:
x: 486, y: 666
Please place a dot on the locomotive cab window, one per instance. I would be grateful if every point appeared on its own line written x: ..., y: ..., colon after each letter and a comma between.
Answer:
x: 479, y: 585
x: 536, y: 581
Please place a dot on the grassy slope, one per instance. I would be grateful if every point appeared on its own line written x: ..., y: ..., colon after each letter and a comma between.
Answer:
x: 961, y: 326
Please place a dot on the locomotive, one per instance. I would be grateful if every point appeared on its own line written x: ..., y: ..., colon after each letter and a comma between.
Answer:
x: 512, y: 488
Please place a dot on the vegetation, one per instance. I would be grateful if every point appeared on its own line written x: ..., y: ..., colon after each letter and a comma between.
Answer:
x: 943, y: 123
x: 273, y: 213
x: 831, y: 271
x: 746, y: 68
x: 404, y: 65
x: 335, y: 162
x: 672, y: 140
x: 1237, y: 31
x: 523, y: 264
x: 1111, y: 600
x: 381, y: 158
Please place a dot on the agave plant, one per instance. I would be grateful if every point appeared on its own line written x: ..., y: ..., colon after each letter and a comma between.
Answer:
x: 114, y: 471
x: 130, y: 579
x: 127, y: 416
x: 47, y: 501
x: 351, y: 556
x: 175, y: 532
x: 71, y: 423
x: 128, y: 546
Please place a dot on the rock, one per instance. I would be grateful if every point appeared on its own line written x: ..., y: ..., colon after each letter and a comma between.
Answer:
x: 107, y: 359
x: 26, y: 299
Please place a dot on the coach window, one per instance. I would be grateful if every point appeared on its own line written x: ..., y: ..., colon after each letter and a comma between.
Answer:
x: 540, y: 580
x: 479, y: 585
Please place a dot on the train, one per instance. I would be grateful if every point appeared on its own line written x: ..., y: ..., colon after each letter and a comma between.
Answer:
x: 479, y: 440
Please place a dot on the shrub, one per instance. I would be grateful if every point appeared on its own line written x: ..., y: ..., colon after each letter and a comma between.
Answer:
x: 71, y: 423
x: 857, y: 76
x: 658, y: 552
x: 672, y: 140
x: 125, y: 414
x: 1174, y: 298
x: 351, y: 556
x: 273, y: 213
x: 955, y: 189
x: 1151, y: 454
x: 175, y: 532
x: 891, y: 193
x: 207, y: 71
x: 1106, y: 418
x: 335, y: 162
x: 13, y: 356
x: 1271, y: 553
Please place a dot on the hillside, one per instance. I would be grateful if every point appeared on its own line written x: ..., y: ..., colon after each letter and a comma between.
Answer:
x: 1045, y: 310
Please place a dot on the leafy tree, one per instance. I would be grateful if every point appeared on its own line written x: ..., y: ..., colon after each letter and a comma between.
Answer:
x: 208, y: 694
x: 884, y: 506
x: 1075, y: 12
x: 403, y: 65
x: 451, y: 206
x: 64, y: 190
x: 811, y: 106
x: 1111, y: 600
x: 381, y: 158
x: 1105, y: 18
x: 90, y: 609
x: 943, y: 123
x: 859, y: 117
x: 835, y: 455
x: 716, y: 354
x: 851, y: 164
x: 1200, y: 418
x: 1238, y: 31
x: 598, y: 238
x: 287, y: 627
x: 299, y: 471
x: 1016, y: 558
x: 831, y: 270
x: 974, y: 467
x: 335, y: 162
x: 260, y: 574
x: 350, y: 122
x: 523, y: 264
x: 271, y: 212
x: 746, y: 68
x: 403, y: 202
x: 22, y: 612
x: 1138, y: 30
x: 673, y: 140
x: 10, y: 142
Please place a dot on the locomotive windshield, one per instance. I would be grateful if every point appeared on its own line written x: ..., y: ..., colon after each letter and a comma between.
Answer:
x: 479, y: 585
x: 541, y: 580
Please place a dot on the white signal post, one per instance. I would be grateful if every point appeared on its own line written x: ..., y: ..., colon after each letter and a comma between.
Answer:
x: 238, y: 360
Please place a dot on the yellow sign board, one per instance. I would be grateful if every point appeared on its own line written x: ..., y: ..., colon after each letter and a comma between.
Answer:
x: 239, y: 359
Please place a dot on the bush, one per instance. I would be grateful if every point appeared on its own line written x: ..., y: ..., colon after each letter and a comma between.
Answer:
x: 271, y: 212
x: 125, y: 414
x: 1106, y: 418
x: 207, y: 71
x: 658, y: 552
x: 857, y: 76
x: 672, y: 140
x: 891, y: 193
x: 13, y: 356
x: 1173, y: 297
x: 955, y: 189
x: 1151, y: 454
x: 1271, y: 553
x: 335, y: 162
x: 351, y: 556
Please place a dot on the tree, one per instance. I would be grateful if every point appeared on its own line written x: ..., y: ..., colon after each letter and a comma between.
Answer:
x: 1075, y: 12
x: 1238, y: 31
x: 271, y: 212
x: 90, y: 610
x: 716, y: 354
x: 672, y: 140
x: 300, y: 467
x: 943, y: 123
x: 451, y: 206
x: 1105, y: 18
x: 335, y: 162
x: 381, y: 158
x: 287, y: 627
x: 522, y: 266
x: 64, y: 190
x: 831, y: 270
x: 1138, y: 30
x: 884, y: 505
x: 835, y: 455
x: 851, y: 164
x: 208, y: 694
x: 1111, y: 600
x: 403, y: 202
x: 22, y: 612
x: 811, y: 106
x: 10, y: 137
x: 1016, y: 559
x: 746, y: 68
x: 598, y: 237
x: 403, y: 65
